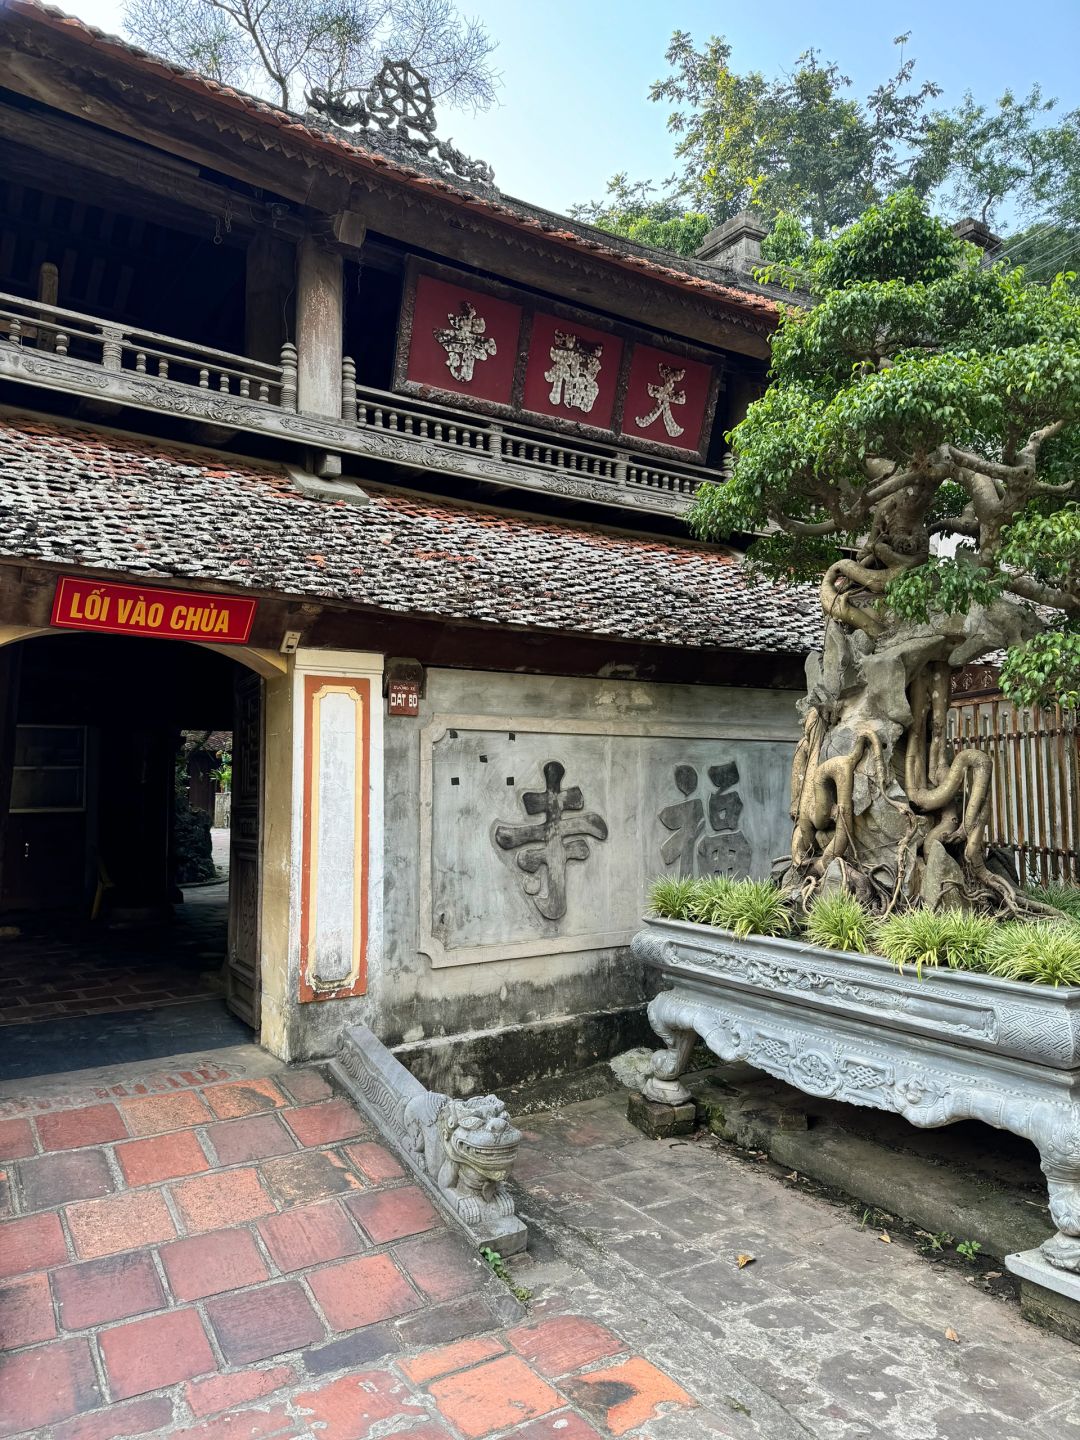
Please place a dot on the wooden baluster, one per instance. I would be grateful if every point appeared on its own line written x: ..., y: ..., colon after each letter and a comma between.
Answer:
x: 288, y: 376
x: 348, y: 390
x: 112, y: 347
x: 621, y: 461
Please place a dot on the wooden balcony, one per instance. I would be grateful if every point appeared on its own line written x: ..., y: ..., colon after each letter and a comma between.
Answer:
x: 119, y: 366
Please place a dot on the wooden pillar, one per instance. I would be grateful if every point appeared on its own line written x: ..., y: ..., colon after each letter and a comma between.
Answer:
x: 268, y: 296
x: 318, y: 329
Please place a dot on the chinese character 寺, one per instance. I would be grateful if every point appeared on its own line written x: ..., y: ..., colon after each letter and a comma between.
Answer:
x: 573, y: 373
x: 665, y: 396
x: 465, y: 342
x: 548, y: 846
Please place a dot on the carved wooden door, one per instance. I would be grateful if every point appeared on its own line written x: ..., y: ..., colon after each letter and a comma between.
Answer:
x: 242, y: 978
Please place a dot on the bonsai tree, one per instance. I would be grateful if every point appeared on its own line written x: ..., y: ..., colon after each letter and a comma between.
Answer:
x: 917, y: 453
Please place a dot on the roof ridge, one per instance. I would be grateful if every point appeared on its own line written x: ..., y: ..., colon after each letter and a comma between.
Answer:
x: 764, y: 308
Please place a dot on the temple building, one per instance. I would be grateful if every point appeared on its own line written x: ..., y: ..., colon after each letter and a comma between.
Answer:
x: 311, y: 436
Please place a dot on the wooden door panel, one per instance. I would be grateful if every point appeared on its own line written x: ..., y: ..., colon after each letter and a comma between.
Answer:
x: 242, y: 987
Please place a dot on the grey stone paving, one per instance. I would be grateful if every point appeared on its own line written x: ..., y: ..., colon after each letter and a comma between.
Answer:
x: 830, y: 1333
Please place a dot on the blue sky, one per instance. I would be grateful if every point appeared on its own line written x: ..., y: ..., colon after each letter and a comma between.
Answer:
x: 574, y: 105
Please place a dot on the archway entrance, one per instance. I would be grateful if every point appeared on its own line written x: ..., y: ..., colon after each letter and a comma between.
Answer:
x: 130, y: 816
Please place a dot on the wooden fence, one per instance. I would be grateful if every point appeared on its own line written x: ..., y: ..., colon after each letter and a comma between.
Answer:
x: 1035, y: 796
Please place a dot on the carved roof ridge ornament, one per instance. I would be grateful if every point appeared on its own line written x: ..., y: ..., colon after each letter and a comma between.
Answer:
x: 399, y: 104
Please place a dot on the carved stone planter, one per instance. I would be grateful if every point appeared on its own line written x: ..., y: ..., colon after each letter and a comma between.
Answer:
x: 951, y: 1046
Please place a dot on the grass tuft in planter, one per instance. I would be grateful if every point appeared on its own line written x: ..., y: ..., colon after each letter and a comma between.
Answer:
x: 753, y: 907
x: 1044, y: 951
x: 935, y: 937
x: 839, y: 922
x: 671, y: 897
x: 711, y: 894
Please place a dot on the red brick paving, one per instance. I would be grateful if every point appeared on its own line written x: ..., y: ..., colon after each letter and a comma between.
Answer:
x: 243, y: 1097
x: 210, y: 1264
x: 362, y: 1291
x: 253, y: 1138
x: 222, y: 1392
x: 155, y: 1114
x: 104, y: 1290
x: 163, y: 1157
x: 216, y: 1255
x: 50, y: 1180
x: 121, y: 1222
x: 225, y: 1197
x: 393, y: 1214
x: 493, y: 1396
x: 33, y: 1243
x: 26, y: 1311
x: 16, y: 1139
x: 325, y: 1123
x: 309, y: 1235
x: 252, y: 1325
x: 565, y: 1343
x: 374, y: 1162
x: 94, y: 1125
x: 149, y: 1354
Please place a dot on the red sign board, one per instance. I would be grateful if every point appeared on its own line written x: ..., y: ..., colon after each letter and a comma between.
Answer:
x: 138, y: 610
x: 572, y: 372
x: 463, y: 340
x: 666, y: 399
x: 403, y: 698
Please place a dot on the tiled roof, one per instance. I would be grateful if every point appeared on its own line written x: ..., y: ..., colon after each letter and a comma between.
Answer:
x: 92, y: 499
x: 761, y: 309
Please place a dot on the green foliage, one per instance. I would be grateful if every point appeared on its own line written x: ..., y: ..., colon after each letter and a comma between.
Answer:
x: 711, y: 894
x: 1065, y: 898
x: 1008, y: 153
x: 799, y: 142
x: 1046, y: 669
x: 747, y: 907
x: 969, y: 1249
x: 503, y: 1271
x: 839, y: 922
x: 949, y: 586
x: 918, y: 366
x: 803, y: 149
x: 935, y: 937
x: 753, y: 907
x: 670, y: 897
x: 631, y: 211
x: 1046, y: 952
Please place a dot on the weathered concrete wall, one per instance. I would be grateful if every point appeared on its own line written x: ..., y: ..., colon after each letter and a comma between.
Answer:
x: 509, y: 899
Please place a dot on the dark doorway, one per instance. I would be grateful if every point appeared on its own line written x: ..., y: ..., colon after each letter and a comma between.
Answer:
x: 128, y: 918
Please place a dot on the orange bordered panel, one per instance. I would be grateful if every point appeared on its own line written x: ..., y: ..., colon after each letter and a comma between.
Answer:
x: 334, y: 881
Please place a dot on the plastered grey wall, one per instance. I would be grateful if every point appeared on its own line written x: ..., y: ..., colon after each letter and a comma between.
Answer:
x: 509, y: 897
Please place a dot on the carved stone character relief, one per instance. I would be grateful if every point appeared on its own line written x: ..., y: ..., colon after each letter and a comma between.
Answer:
x: 725, y: 851
x: 546, y: 847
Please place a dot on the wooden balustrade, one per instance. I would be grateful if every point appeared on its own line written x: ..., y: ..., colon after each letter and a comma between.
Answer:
x: 65, y: 350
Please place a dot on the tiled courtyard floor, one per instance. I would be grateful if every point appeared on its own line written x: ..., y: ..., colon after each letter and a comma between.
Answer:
x: 242, y: 1260
x: 234, y: 1256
